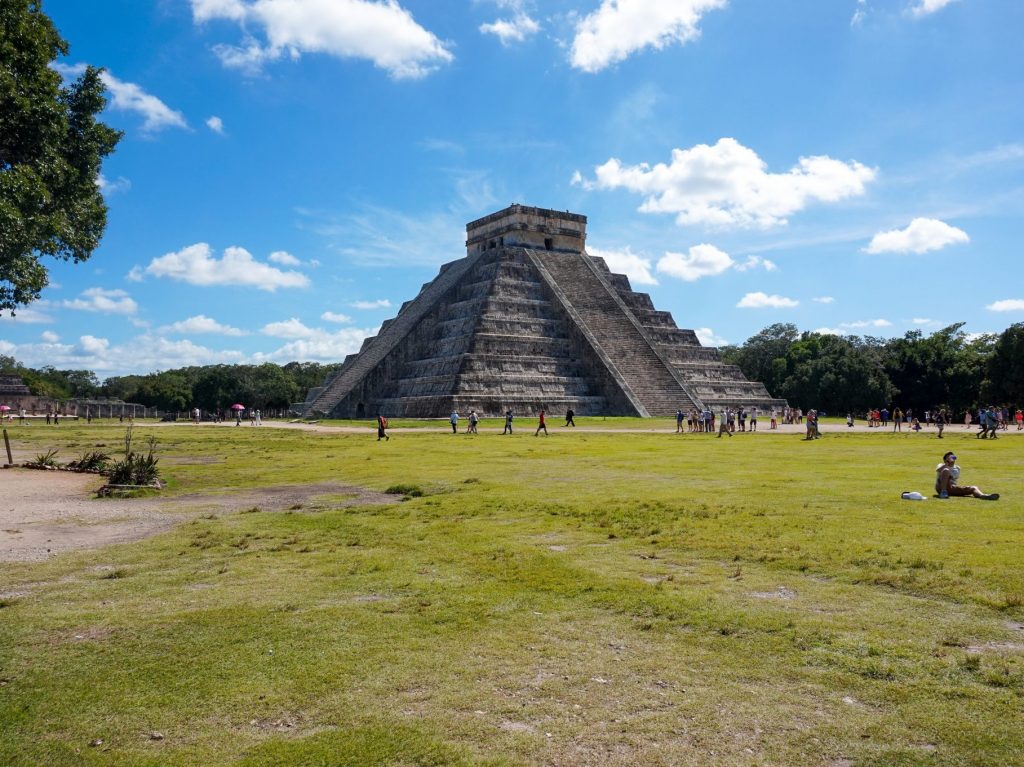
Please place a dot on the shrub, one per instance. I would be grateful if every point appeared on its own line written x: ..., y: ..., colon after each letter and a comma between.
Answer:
x: 135, y: 468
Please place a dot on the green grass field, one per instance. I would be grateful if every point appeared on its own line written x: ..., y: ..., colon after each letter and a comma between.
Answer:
x: 594, y: 598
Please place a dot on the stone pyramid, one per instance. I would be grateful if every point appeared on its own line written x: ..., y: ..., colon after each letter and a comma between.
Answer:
x: 528, y: 320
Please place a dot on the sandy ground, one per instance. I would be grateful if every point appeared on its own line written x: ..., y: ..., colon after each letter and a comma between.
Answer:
x: 45, y: 513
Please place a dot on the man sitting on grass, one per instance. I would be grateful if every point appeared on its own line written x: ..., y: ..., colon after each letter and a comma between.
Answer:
x: 946, y: 475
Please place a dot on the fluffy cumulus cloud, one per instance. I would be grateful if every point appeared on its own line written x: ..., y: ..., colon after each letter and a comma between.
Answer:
x: 131, y: 97
x: 380, y: 303
x: 312, y: 344
x: 341, y: 319
x: 142, y: 353
x: 215, y: 124
x: 197, y: 265
x: 626, y: 262
x: 283, y: 258
x: 928, y: 7
x: 728, y: 185
x: 201, y: 324
x: 756, y: 262
x: 920, y: 236
x: 1007, y: 305
x: 761, y: 300
x: 701, y: 261
x: 620, y: 28
x: 104, y: 301
x: 382, y: 32
x: 708, y: 337
x: 514, y: 30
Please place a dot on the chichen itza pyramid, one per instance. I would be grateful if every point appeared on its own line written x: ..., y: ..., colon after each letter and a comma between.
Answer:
x: 528, y: 320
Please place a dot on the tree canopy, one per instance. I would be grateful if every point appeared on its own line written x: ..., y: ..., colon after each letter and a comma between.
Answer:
x: 51, y: 150
x: 841, y: 374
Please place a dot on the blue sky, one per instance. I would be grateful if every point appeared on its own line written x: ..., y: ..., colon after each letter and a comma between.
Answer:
x: 293, y: 170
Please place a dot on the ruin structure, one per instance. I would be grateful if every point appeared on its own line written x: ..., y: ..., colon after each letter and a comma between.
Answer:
x: 528, y: 320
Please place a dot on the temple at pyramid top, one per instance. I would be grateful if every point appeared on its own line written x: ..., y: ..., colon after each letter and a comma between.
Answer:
x: 527, y: 320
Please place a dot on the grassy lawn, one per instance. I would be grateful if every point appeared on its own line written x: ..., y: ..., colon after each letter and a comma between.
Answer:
x: 592, y: 598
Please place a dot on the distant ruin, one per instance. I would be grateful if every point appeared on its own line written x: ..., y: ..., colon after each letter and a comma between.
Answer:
x: 528, y: 320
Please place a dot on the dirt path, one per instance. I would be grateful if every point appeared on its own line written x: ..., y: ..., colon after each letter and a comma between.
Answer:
x: 45, y: 513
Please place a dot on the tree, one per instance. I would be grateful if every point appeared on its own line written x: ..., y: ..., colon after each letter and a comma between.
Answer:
x: 51, y: 149
x: 761, y: 358
x: 1004, y: 382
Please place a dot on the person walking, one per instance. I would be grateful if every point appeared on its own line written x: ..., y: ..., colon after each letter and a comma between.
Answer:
x: 508, y: 422
x: 939, y: 419
x: 723, y: 423
x: 453, y: 419
x: 753, y: 419
x: 679, y: 422
x: 570, y: 418
x: 382, y: 428
x: 541, y: 424
x: 473, y: 420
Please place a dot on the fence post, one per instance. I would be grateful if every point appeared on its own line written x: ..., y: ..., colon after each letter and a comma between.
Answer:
x: 7, y: 444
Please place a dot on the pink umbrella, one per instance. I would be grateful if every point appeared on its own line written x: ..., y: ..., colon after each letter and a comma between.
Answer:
x: 236, y: 406
x: 4, y: 408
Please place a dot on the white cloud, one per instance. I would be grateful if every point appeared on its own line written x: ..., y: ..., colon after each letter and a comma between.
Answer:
x: 928, y: 7
x: 727, y: 185
x: 859, y: 14
x: 132, y: 98
x: 49, y: 337
x: 1007, y: 305
x: 291, y: 328
x: 824, y: 300
x: 761, y: 300
x: 879, y: 323
x: 316, y: 344
x: 27, y: 315
x: 755, y: 262
x: 830, y: 332
x: 196, y: 265
x: 335, y: 317
x: 701, y: 261
x: 382, y: 32
x: 201, y: 324
x: 143, y: 353
x: 108, y: 187
x: 380, y: 303
x: 619, y: 28
x: 514, y: 30
x: 215, y: 124
x: 102, y: 300
x: 708, y: 337
x: 626, y: 262
x: 135, y: 274
x: 921, y: 236
x: 283, y: 258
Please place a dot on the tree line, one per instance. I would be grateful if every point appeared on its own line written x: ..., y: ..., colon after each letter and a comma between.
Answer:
x: 837, y: 374
x: 209, y: 387
x: 840, y: 374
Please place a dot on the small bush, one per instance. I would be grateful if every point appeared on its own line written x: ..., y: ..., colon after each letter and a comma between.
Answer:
x: 413, y: 491
x: 47, y: 459
x: 135, y: 468
x: 92, y: 461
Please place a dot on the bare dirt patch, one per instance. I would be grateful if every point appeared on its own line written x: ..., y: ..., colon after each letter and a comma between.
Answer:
x: 47, y: 513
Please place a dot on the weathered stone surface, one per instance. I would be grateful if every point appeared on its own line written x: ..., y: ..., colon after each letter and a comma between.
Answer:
x: 527, y: 320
